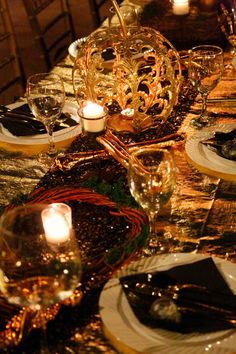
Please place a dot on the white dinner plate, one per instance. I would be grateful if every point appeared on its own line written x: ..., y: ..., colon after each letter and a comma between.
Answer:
x: 74, y: 46
x: 205, y: 159
x: 40, y: 139
x: 130, y: 336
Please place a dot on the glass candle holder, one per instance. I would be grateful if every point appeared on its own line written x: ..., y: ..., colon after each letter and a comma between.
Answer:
x: 93, y: 119
x: 180, y: 7
x: 57, y: 223
x: 65, y: 210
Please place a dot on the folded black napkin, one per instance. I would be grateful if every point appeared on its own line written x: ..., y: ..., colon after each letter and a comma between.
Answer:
x: 204, y: 306
x: 17, y: 126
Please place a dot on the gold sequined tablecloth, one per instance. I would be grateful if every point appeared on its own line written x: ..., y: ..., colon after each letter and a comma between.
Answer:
x: 201, y: 217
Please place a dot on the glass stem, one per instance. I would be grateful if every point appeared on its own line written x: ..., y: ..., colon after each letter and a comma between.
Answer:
x: 51, y: 148
x: 234, y: 58
x: 203, y: 115
x: 44, y: 343
x: 152, y: 216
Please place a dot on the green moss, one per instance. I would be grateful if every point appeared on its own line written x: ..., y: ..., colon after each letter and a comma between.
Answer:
x: 115, y: 254
x: 116, y: 191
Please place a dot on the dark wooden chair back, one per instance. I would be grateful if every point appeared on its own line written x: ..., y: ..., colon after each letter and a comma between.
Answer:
x: 12, y: 77
x: 52, y: 27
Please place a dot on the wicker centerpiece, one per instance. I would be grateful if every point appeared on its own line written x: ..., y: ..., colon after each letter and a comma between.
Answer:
x: 109, y: 229
x: 135, y: 72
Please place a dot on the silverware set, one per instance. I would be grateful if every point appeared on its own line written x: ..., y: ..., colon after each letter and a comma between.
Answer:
x: 21, y: 119
x: 27, y: 122
x: 169, y: 304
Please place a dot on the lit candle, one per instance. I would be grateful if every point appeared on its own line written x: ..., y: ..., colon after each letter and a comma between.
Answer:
x: 128, y: 112
x: 65, y: 210
x: 93, y: 117
x: 180, y: 7
x: 56, y: 226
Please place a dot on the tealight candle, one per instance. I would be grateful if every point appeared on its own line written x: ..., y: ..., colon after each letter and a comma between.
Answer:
x: 93, y: 117
x: 180, y: 7
x: 128, y: 112
x: 56, y: 225
x: 65, y: 210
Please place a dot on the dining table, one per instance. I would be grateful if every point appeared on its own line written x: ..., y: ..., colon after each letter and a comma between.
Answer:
x: 199, y: 219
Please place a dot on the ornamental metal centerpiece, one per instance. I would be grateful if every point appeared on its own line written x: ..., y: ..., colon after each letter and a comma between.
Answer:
x: 134, y: 71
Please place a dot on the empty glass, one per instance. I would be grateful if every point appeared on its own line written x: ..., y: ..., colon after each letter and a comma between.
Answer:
x: 46, y: 97
x: 129, y: 14
x: 227, y: 21
x: 151, y: 178
x: 205, y: 69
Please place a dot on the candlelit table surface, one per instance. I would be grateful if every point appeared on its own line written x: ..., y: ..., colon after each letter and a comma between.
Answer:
x: 200, y: 218
x: 184, y: 23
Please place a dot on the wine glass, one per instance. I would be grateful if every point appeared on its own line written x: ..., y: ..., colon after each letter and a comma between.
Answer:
x: 151, y: 179
x: 227, y: 22
x: 205, y: 69
x: 129, y: 15
x: 39, y: 260
x: 46, y: 97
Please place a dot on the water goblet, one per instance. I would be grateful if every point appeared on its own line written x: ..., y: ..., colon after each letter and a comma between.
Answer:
x: 46, y: 97
x: 129, y: 14
x: 227, y: 22
x: 39, y: 260
x: 151, y: 179
x: 205, y: 69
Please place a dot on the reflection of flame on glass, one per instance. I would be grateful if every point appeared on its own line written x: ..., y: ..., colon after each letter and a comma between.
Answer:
x: 128, y: 112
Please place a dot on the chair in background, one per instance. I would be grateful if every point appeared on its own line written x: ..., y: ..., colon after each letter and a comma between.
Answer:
x: 12, y: 76
x: 52, y: 27
x: 100, y: 10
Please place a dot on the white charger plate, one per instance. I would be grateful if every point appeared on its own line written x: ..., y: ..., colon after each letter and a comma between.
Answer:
x: 130, y: 336
x: 206, y: 160
x: 41, y: 139
x: 73, y: 47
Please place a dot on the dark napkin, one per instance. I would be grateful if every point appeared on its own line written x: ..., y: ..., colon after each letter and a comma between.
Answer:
x: 18, y: 128
x: 214, y: 292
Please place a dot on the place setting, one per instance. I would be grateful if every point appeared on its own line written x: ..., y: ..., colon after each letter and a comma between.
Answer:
x: 212, y: 148
x: 22, y: 124
x: 139, y: 316
x: 18, y: 125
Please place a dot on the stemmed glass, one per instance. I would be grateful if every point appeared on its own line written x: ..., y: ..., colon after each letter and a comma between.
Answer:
x: 151, y: 179
x: 39, y: 260
x: 46, y: 97
x: 129, y: 14
x: 205, y: 69
x: 227, y: 22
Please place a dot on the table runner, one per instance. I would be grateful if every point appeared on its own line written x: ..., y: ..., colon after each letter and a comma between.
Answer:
x: 201, y: 217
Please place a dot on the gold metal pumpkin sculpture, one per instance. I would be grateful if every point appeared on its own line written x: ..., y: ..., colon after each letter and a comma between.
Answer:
x: 136, y: 75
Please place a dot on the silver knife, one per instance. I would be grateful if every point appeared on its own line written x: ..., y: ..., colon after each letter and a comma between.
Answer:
x: 221, y: 99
